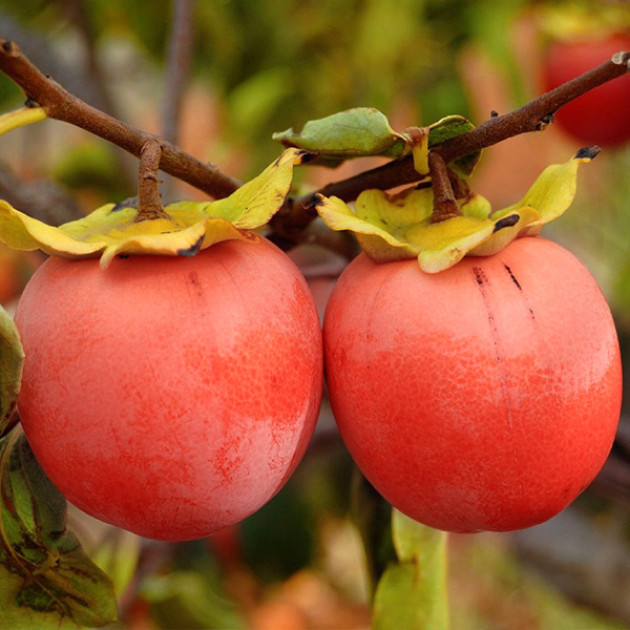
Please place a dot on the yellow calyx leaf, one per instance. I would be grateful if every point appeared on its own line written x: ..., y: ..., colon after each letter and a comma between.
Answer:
x: 189, y: 228
x: 395, y: 227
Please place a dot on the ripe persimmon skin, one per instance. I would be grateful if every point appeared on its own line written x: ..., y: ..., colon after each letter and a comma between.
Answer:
x: 171, y: 396
x: 485, y: 397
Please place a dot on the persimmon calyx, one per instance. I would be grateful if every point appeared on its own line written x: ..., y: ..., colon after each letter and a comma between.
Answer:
x: 186, y: 228
x: 395, y: 227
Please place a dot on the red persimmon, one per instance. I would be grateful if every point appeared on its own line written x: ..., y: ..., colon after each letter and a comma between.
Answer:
x: 484, y: 397
x: 171, y: 396
x: 600, y: 116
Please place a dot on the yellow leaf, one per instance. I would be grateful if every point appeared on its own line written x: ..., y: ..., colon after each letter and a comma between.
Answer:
x: 379, y: 243
x: 506, y: 230
x: 553, y: 191
x: 441, y: 245
x: 189, y: 227
x: 393, y: 227
x: 19, y: 231
x: 255, y: 202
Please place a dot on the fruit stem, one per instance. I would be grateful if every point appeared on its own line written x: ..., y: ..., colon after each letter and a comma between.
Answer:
x: 149, y: 200
x: 444, y: 204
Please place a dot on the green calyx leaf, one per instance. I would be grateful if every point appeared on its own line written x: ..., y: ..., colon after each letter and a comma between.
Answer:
x: 189, y: 228
x: 365, y: 131
x: 47, y: 580
x: 397, y: 227
x: 412, y: 593
x: 11, y: 361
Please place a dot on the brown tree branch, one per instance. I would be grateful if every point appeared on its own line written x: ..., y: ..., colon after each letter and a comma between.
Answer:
x: 534, y: 116
x: 61, y: 105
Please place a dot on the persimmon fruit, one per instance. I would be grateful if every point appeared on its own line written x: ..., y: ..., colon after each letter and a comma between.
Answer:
x: 171, y: 396
x: 600, y: 116
x: 483, y: 397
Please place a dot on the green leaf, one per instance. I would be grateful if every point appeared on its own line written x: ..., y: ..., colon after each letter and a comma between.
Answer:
x: 11, y: 360
x: 46, y: 580
x: 253, y: 204
x: 357, y: 132
x: 413, y: 593
x: 190, y: 226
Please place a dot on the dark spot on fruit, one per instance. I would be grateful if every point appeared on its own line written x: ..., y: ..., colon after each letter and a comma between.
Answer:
x: 193, y: 279
x: 193, y: 250
x: 123, y: 256
x: 508, y: 221
x: 513, y: 278
x: 520, y: 288
x: 7, y: 46
x: 480, y: 276
x: 482, y: 281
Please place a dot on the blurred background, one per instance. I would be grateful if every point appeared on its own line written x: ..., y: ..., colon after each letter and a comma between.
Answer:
x: 218, y: 78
